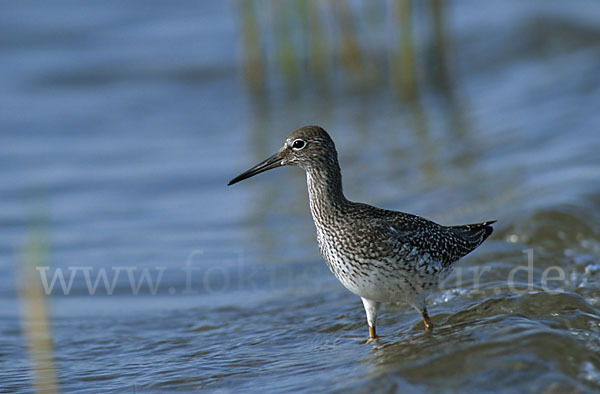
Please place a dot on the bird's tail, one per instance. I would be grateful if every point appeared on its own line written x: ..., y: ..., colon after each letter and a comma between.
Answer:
x: 474, y: 234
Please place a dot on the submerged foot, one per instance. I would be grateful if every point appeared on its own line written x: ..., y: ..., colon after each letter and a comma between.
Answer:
x: 427, y: 321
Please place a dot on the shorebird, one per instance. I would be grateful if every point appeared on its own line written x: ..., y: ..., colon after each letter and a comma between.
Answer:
x: 377, y: 254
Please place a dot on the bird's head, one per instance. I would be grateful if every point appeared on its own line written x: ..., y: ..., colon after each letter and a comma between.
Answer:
x: 307, y: 147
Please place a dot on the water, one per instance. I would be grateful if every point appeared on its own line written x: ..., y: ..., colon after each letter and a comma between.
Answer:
x: 122, y: 123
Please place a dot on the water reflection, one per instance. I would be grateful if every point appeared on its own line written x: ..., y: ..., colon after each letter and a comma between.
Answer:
x: 342, y: 46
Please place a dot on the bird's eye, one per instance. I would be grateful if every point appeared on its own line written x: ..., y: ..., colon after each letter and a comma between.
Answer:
x: 298, y: 144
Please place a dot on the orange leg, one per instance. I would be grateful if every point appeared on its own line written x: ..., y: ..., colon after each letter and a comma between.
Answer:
x: 371, y: 311
x: 372, y: 335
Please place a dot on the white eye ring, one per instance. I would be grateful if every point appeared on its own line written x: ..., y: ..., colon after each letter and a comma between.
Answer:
x: 298, y: 144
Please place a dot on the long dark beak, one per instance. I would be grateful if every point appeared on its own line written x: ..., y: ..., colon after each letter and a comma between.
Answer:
x: 272, y: 162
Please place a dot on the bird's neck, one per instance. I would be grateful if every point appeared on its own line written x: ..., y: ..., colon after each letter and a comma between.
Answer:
x: 325, y: 192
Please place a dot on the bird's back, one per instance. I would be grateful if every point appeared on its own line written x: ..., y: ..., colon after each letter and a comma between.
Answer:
x: 445, y: 244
